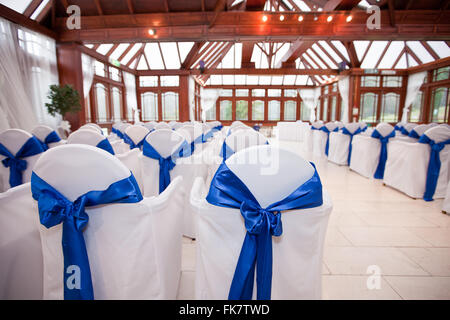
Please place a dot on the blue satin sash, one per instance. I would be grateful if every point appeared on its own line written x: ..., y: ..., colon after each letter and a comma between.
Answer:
x: 364, y: 130
x: 327, y: 145
x: 17, y: 164
x: 379, y: 173
x: 434, y: 166
x: 165, y: 164
x: 106, y: 145
x: 345, y: 131
x: 228, y: 191
x: 313, y: 128
x: 226, y: 151
x: 404, y: 131
x: 54, y: 209
x: 131, y: 143
x: 117, y: 132
x: 206, y: 136
x: 397, y: 127
x: 52, y: 137
x: 414, y: 134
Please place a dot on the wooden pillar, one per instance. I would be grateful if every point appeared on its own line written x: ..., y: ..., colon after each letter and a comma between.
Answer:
x: 184, y: 98
x: 70, y: 71
x: 426, y: 109
x: 403, y: 97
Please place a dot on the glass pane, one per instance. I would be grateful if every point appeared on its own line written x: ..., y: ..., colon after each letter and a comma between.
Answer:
x: 170, y: 81
x: 226, y: 93
x: 117, y: 104
x: 99, y: 69
x: 258, y: 110
x: 392, y: 82
x: 370, y: 81
x: 416, y: 108
x: 290, y: 93
x: 170, y: 110
x: 441, y: 74
x: 100, y: 93
x: 148, y: 81
x: 149, y: 106
x: 325, y: 110
x: 389, y: 107
x: 369, y: 102
x: 305, y: 114
x: 274, y: 110
x: 242, y: 110
x: 290, y: 110
x: 258, y: 93
x: 440, y: 105
x: 333, y: 108
x: 211, y: 113
x: 274, y: 93
x: 241, y: 92
x: 114, y: 74
x: 226, y: 110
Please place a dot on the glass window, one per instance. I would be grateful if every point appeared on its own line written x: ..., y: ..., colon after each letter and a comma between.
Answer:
x: 258, y: 93
x: 114, y: 74
x: 274, y: 110
x: 326, y: 90
x: 305, y: 114
x: 441, y: 74
x: 241, y: 92
x: 274, y: 93
x: 241, y: 110
x: 258, y: 110
x: 333, y: 108
x: 170, y: 81
x: 389, y: 107
x: 370, y: 81
x: 416, y: 108
x: 117, y: 104
x: 325, y: 110
x: 369, y: 103
x: 290, y: 110
x: 148, y: 81
x: 392, y: 82
x: 226, y: 93
x: 290, y: 93
x: 149, y: 106
x: 99, y: 69
x: 226, y: 110
x: 334, y: 87
x: 211, y: 113
x: 170, y: 110
x: 101, y: 96
x: 87, y: 111
x: 440, y: 105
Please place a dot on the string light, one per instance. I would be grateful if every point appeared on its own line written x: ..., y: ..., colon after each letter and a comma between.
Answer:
x: 151, y: 32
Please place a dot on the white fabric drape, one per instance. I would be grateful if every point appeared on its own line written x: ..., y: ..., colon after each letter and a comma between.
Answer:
x: 415, y: 81
x: 208, y: 100
x: 87, y: 64
x: 191, y: 98
x: 28, y: 68
x: 130, y: 88
x: 310, y: 98
x: 344, y: 91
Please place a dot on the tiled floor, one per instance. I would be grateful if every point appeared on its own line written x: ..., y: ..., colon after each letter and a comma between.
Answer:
x: 372, y: 228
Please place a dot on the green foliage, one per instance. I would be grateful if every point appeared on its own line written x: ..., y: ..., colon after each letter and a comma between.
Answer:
x: 62, y: 100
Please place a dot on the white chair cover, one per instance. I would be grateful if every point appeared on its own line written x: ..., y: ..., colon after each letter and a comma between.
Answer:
x: 446, y: 204
x: 289, y: 131
x: 150, y: 126
x: 320, y: 138
x: 131, y: 160
x: 13, y: 140
x: 137, y: 133
x: 92, y: 126
x: 41, y: 132
x: 297, y: 253
x: 407, y: 165
x: 88, y: 137
x: 339, y: 144
x: 162, y: 125
x: 134, y: 249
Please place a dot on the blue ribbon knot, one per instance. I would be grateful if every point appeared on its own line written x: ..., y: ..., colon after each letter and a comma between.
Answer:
x: 345, y: 131
x: 327, y: 131
x: 379, y: 173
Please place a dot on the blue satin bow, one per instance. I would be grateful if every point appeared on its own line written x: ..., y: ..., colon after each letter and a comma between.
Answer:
x: 398, y: 127
x: 327, y: 145
x: 106, y: 145
x: 227, y: 190
x: 17, y: 164
x: 345, y: 131
x: 313, y: 128
x: 131, y: 143
x: 226, y: 151
x: 52, y: 137
x: 117, y: 132
x: 434, y: 166
x: 165, y: 164
x: 206, y: 136
x: 414, y: 134
x: 404, y: 131
x: 379, y: 173
x: 54, y: 209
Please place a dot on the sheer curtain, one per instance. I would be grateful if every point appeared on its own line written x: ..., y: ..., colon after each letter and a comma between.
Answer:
x: 415, y: 81
x: 130, y: 87
x: 208, y: 100
x: 88, y: 73
x: 310, y: 97
x: 344, y: 91
x: 191, y: 98
x: 27, y: 69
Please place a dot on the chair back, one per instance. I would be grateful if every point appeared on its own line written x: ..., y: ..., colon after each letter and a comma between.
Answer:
x: 92, y: 126
x: 149, y: 125
x: 137, y: 133
x: 419, y: 130
x: 41, y: 132
x: 162, y: 125
x: 165, y: 141
x: 317, y: 124
x: 331, y: 126
x: 384, y: 129
x: 352, y: 127
x: 438, y: 134
x: 409, y: 127
x: 242, y: 139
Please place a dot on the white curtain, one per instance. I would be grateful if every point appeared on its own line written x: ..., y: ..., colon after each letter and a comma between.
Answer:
x: 130, y: 87
x: 310, y: 98
x: 208, y: 99
x: 87, y: 63
x: 344, y: 91
x: 191, y: 98
x: 415, y: 81
x: 27, y: 69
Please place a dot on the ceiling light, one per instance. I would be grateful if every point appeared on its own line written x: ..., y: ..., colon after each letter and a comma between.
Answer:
x: 264, y: 18
x: 151, y: 32
x: 330, y: 18
x: 316, y: 18
x: 349, y: 18
x: 300, y: 18
x: 281, y: 18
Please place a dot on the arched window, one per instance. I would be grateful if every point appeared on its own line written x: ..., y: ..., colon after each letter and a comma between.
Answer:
x: 305, y: 112
x: 389, y: 107
x: 242, y: 110
x: 101, y: 102
x: 116, y: 99
x: 440, y: 105
x: 170, y: 107
x: 274, y: 110
x: 290, y: 110
x: 226, y: 110
x: 149, y: 106
x: 325, y: 110
x: 369, y: 103
x: 258, y: 110
x: 415, y: 115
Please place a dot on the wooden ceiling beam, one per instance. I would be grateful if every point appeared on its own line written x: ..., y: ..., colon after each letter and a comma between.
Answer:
x: 382, y: 54
x: 247, y: 52
x: 45, y: 11
x: 430, y: 50
x: 130, y: 6
x: 354, y: 62
x: 125, y: 52
x: 391, y: 7
x: 218, y: 8
x: 192, y: 55
x: 136, y: 55
x: 295, y: 51
x: 32, y: 8
x: 99, y: 7
x: 338, y: 52
x: 110, y: 51
x: 242, y: 71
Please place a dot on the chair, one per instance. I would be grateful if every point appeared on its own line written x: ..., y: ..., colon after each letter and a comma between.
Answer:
x: 418, y: 131
x: 131, y: 160
x: 133, y: 245
x: 408, y: 164
x: 91, y: 138
x: 297, y: 251
x: 193, y: 135
x: 92, y: 126
x: 341, y: 144
x: 369, y: 153
x: 19, y: 151
x: 407, y: 128
x: 162, y: 125
x: 150, y: 126
x: 321, y: 139
x: 446, y: 203
x: 48, y: 137
x: 134, y: 136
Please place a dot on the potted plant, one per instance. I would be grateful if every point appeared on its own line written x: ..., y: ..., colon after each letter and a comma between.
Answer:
x: 63, y: 99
